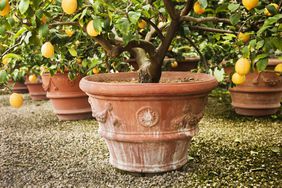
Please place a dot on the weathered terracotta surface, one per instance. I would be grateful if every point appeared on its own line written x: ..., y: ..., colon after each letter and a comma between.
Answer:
x: 69, y: 102
x: 36, y: 90
x: 19, y: 87
x: 147, y: 127
x: 185, y: 65
x: 258, y: 96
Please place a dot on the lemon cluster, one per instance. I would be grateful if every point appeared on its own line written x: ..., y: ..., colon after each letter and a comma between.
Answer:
x: 242, y: 67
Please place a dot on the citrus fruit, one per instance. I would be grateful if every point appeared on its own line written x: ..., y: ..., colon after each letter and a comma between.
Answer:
x: 278, y: 68
x: 6, y: 9
x: 69, y: 6
x: 5, y: 61
x: 47, y: 50
x: 69, y: 32
x: 267, y: 13
x: 245, y: 37
x: 243, y: 66
x: 91, y: 30
x: 197, y: 8
x: 32, y: 78
x: 250, y: 4
x: 78, y: 60
x: 142, y: 24
x: 16, y: 100
x: 238, y: 79
x: 174, y: 64
x: 44, y: 19
x: 95, y: 70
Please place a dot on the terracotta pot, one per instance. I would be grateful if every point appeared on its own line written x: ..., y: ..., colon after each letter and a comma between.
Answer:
x: 69, y: 102
x: 36, y: 90
x: 185, y: 65
x: 147, y: 127
x: 18, y: 87
x: 260, y: 95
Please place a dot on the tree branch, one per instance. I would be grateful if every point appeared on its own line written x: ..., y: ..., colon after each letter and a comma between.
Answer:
x: 213, y: 30
x: 145, y: 45
x: 188, y: 7
x: 106, y: 45
x: 63, y: 23
x: 203, y: 20
x: 173, y: 13
x: 159, y: 32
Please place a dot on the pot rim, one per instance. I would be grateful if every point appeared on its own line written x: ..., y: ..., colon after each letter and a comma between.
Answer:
x: 147, y: 89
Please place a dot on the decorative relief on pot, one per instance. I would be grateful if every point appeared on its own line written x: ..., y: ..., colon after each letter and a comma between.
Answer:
x: 188, y: 120
x: 147, y: 117
x: 105, y: 115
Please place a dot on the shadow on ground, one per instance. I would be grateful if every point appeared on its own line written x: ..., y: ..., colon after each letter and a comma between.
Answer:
x: 230, y: 150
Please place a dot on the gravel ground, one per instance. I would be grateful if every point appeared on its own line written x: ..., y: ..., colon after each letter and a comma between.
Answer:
x: 38, y: 150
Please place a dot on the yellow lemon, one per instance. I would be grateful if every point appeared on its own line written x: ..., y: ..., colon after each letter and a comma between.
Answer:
x: 69, y: 6
x: 90, y: 29
x: 243, y: 66
x: 197, y: 8
x: 5, y: 61
x: 238, y: 79
x: 16, y: 100
x: 44, y: 19
x: 245, y: 37
x: 174, y: 64
x: 267, y: 13
x: 6, y: 9
x: 142, y: 24
x: 47, y: 50
x: 278, y: 68
x: 250, y: 4
x: 69, y: 32
x: 32, y: 78
x: 95, y: 70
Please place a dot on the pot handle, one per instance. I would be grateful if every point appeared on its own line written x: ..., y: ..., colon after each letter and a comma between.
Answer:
x: 46, y: 87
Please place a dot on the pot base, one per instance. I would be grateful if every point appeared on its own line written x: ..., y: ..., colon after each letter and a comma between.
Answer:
x: 72, y: 117
x: 148, y: 157
x: 255, y: 112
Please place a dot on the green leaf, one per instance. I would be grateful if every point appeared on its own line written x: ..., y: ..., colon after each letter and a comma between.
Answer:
x: 43, y: 30
x: 233, y: 7
x: 261, y: 64
x: 219, y: 74
x: 2, y: 4
x: 98, y: 24
x: 203, y: 3
x: 246, y: 52
x: 134, y: 16
x: 259, y: 44
x: 73, y: 52
x: 12, y: 55
x: 3, y: 76
x: 269, y: 22
x: 235, y: 18
x: 271, y: 9
x: 23, y: 6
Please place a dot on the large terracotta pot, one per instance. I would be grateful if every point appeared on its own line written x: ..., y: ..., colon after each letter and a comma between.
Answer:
x: 69, y: 102
x: 18, y: 87
x: 260, y: 95
x: 36, y: 90
x: 147, y: 127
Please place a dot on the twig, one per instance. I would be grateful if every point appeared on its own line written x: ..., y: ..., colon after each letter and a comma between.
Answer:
x: 203, y: 58
x: 203, y: 20
x: 159, y: 32
x: 213, y: 30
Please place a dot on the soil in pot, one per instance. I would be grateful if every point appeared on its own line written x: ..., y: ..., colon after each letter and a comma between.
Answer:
x: 69, y: 102
x: 36, y: 90
x: 260, y: 95
x: 148, y: 127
